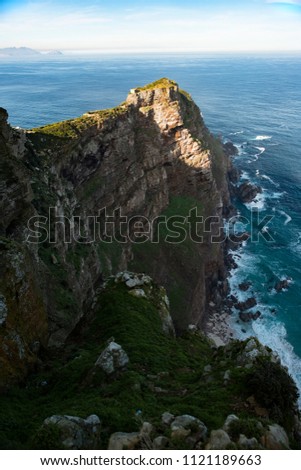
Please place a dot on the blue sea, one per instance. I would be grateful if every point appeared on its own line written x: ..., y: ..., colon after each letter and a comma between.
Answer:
x: 253, y: 101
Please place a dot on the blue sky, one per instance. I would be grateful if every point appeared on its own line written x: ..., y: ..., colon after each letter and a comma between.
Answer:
x: 156, y: 25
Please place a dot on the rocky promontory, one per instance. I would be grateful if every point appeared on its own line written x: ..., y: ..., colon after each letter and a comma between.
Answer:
x: 97, y: 214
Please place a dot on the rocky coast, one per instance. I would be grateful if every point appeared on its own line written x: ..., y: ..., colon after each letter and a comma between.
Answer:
x: 109, y: 279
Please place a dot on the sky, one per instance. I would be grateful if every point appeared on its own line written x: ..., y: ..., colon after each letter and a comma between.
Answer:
x: 151, y: 25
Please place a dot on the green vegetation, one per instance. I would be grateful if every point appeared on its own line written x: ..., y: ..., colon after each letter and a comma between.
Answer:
x: 161, y: 83
x: 186, y: 94
x: 248, y: 427
x: 274, y: 389
x: 72, y: 128
x: 184, y: 259
x: 164, y: 374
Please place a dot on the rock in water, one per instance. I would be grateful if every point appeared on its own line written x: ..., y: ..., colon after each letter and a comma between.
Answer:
x: 247, y: 192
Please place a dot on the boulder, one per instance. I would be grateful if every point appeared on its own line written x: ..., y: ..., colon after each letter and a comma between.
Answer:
x: 282, y: 285
x: 146, y: 428
x: 230, y: 149
x: 138, y: 293
x: 247, y: 192
x: 112, y: 359
x: 249, y: 316
x: 244, y: 286
x: 229, y: 420
x: 219, y: 440
x: 247, y: 304
x: 124, y: 441
x: 161, y: 443
x: 248, y: 444
x: 186, y: 425
x: 167, y: 418
x: 275, y: 438
x: 74, y: 432
x: 252, y: 350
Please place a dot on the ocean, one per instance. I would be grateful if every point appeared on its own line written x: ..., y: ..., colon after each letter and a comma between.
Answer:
x: 251, y: 100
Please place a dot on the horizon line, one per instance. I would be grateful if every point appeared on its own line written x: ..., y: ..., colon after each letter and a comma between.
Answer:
x: 153, y: 51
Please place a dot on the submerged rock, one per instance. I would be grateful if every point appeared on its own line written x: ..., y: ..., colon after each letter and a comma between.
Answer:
x: 244, y: 286
x: 282, y: 285
x: 247, y: 304
x: 247, y: 192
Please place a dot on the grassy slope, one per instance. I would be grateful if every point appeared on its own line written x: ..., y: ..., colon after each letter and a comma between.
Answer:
x: 71, y: 385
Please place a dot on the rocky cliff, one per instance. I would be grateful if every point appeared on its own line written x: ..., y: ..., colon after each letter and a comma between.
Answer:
x: 151, y: 155
x: 97, y: 213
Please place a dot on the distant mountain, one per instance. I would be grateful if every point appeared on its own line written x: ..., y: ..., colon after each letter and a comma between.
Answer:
x: 55, y: 53
x: 18, y: 52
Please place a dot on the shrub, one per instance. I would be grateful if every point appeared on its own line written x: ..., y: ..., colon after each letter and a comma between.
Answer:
x: 274, y: 389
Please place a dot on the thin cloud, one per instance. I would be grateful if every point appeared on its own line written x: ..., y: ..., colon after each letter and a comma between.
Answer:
x: 285, y: 2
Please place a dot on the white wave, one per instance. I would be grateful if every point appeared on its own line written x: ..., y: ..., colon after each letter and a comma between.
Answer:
x: 240, y: 148
x: 287, y: 217
x: 257, y: 155
x: 273, y: 334
x: 258, y: 203
x: 263, y: 137
x: 266, y: 177
x: 277, y: 195
x: 244, y: 175
x: 236, y: 133
x: 261, y: 150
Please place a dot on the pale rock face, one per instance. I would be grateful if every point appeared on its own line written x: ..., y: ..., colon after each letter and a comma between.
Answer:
x: 112, y: 359
x: 138, y: 293
x: 167, y: 418
x: 160, y: 443
x: 185, y: 425
x: 252, y: 351
x: 124, y: 441
x: 219, y: 440
x: 248, y: 444
x: 275, y: 438
x: 230, y: 419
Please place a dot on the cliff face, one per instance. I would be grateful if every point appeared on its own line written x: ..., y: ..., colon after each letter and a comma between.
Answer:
x: 150, y: 156
x: 88, y: 206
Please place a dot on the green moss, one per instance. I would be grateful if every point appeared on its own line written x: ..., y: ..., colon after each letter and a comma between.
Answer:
x: 161, y: 83
x: 47, y: 438
x: 249, y: 427
x: 186, y: 95
x: 73, y: 128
